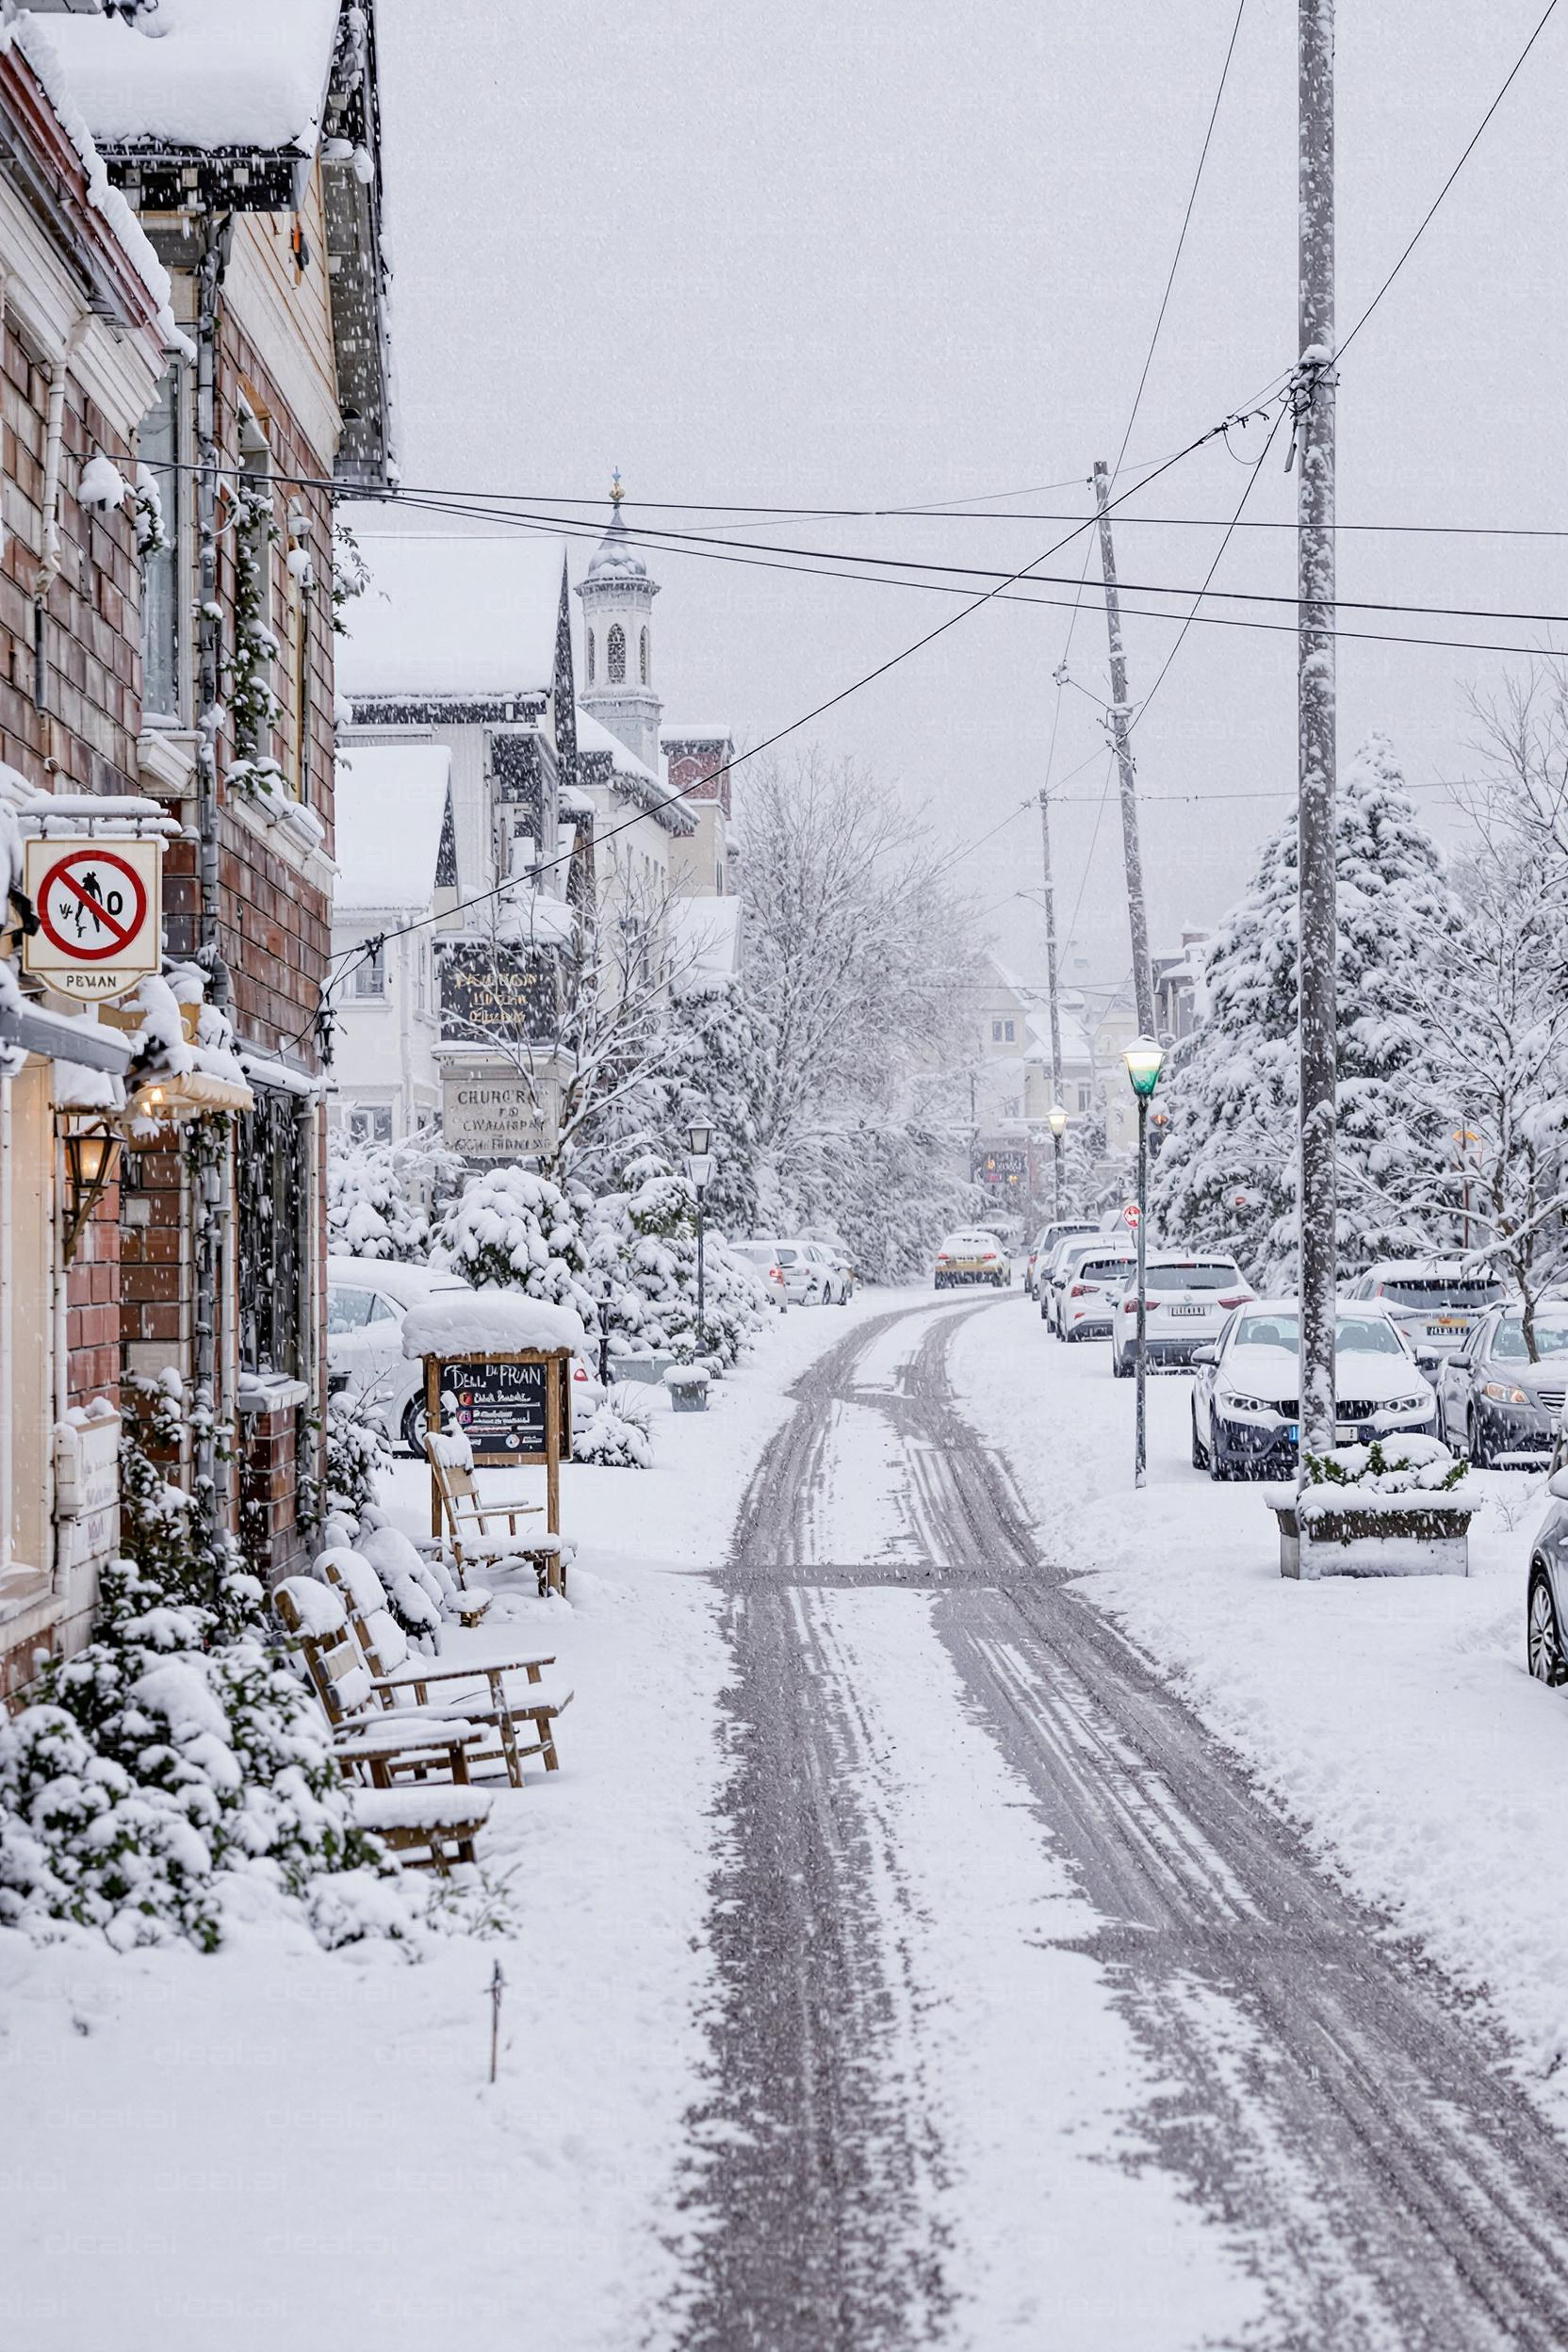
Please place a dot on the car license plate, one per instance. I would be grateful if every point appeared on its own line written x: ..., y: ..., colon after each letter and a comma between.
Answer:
x: 1189, y: 1310
x: 1449, y: 1323
x: 1345, y: 1432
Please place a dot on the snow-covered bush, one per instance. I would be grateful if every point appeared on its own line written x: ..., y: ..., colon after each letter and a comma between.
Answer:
x: 175, y: 1748
x: 653, y: 1223
x: 381, y: 1198
x: 1389, y: 1465
x: 618, y: 1434
x: 516, y: 1231
x: 359, y: 1454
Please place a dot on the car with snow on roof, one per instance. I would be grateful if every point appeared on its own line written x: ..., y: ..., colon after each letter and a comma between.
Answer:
x: 1187, y: 1296
x: 1246, y: 1394
x: 1079, y: 1304
x: 1498, y: 1403
x: 1062, y: 1229
x: 1437, y: 1302
x: 762, y: 1258
x: 972, y: 1254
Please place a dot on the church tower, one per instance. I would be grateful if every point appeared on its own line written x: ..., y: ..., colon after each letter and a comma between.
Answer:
x: 618, y: 662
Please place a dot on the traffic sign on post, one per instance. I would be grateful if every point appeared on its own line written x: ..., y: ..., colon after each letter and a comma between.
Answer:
x: 1130, y: 1216
x: 100, y: 920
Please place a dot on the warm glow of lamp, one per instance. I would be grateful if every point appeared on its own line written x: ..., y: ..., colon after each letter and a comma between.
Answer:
x: 1055, y: 1119
x: 91, y: 1159
x: 1144, y: 1058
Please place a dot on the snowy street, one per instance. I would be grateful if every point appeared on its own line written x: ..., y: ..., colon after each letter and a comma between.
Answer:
x: 896, y: 1958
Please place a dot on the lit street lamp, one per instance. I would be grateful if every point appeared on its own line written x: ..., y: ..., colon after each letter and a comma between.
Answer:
x: 1055, y: 1119
x: 1143, y: 1058
x: 700, y: 1170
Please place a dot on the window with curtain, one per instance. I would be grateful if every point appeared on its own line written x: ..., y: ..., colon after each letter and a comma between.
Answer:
x: 159, y: 449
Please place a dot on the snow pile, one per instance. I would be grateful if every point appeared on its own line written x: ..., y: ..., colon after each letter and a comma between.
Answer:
x: 455, y: 1324
x: 1395, y: 1475
x: 219, y: 74
x: 102, y: 484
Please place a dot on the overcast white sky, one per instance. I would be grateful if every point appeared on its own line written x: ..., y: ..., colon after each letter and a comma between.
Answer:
x: 911, y: 252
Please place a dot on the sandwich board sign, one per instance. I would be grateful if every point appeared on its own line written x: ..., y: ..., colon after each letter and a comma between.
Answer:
x: 100, y: 920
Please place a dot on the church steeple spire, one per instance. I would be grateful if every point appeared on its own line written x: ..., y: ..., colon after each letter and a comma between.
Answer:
x: 617, y: 595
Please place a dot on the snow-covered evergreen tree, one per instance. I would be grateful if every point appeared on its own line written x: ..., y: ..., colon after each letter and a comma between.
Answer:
x: 382, y: 1197
x: 514, y: 1230
x: 1226, y: 1175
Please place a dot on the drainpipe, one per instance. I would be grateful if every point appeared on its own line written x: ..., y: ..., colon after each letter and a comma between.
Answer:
x: 209, y: 1177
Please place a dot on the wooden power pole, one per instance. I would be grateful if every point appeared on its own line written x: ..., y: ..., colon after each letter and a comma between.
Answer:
x: 1143, y: 978
x: 1050, y: 894
x: 1313, y: 407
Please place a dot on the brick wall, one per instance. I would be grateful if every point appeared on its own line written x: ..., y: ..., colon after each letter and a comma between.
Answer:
x: 85, y: 739
x: 93, y: 1306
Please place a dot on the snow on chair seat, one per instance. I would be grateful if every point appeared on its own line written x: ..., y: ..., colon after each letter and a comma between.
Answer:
x: 406, y: 1818
x: 469, y: 1515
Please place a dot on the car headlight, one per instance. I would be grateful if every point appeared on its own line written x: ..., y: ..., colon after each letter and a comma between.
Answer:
x: 1406, y: 1404
x: 1501, y: 1394
x: 1249, y: 1404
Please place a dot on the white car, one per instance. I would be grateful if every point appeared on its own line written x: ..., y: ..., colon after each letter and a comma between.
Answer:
x: 1246, y: 1399
x: 1064, y: 1267
x: 762, y: 1258
x: 1186, y: 1297
x: 366, y: 1300
x: 972, y: 1254
x: 1087, y: 1298
x: 808, y: 1279
x: 1045, y: 1247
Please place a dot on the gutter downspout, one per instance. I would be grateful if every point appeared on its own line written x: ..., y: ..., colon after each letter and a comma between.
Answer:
x: 49, y: 566
x: 208, y: 1172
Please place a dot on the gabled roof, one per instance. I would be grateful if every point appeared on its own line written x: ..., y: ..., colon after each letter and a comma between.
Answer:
x: 454, y: 618
x: 603, y: 759
x: 390, y: 802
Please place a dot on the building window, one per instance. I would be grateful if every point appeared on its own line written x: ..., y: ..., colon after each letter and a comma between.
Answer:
x: 643, y: 657
x: 1011, y: 1106
x: 369, y: 978
x: 159, y: 447
x: 996, y: 1033
x: 1007, y: 1031
x: 1082, y: 1098
x: 614, y: 655
x: 371, y: 1123
x: 419, y: 977
x: 590, y: 657
x: 301, y: 583
x: 272, y: 1212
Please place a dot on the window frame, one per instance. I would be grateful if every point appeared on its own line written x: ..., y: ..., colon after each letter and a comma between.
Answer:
x: 172, y: 478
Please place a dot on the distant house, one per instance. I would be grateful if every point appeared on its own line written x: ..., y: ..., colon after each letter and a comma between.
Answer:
x: 394, y: 806
x: 1012, y: 1080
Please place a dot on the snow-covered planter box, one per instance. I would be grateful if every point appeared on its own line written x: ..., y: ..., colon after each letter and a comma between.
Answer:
x: 1396, y: 1508
x: 688, y: 1387
x: 650, y: 1368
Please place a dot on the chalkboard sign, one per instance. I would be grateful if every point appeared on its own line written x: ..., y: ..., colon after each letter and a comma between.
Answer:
x: 501, y: 1408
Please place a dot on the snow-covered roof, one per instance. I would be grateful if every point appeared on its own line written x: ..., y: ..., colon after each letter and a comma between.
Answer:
x: 592, y: 735
x: 615, y: 558
x: 631, y: 777
x: 390, y: 802
x: 454, y: 616
x: 1075, y: 1042
x: 668, y: 735
x: 705, y: 944
x: 204, y: 74
x: 487, y: 1322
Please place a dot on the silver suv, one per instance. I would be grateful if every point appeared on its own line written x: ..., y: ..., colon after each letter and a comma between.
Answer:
x: 1437, y: 1303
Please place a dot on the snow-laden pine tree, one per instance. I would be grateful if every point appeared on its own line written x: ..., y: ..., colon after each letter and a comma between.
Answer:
x: 513, y: 1229
x: 1226, y: 1176
x: 382, y: 1197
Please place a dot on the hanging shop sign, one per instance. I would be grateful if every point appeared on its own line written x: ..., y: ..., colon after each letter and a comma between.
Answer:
x: 1004, y: 1167
x: 490, y: 1116
x: 100, y: 917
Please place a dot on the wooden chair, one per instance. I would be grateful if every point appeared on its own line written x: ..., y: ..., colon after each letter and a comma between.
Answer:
x: 401, y: 1677
x: 473, y: 1530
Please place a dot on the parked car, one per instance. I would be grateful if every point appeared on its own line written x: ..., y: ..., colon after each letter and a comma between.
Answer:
x: 1071, y: 1255
x: 1045, y: 1242
x: 1436, y: 1304
x: 763, y: 1257
x: 973, y: 1255
x: 1186, y: 1300
x: 1491, y: 1400
x: 806, y: 1278
x: 1546, y: 1602
x: 1246, y: 1397
x: 1086, y: 1305
x: 838, y: 1275
x: 366, y: 1300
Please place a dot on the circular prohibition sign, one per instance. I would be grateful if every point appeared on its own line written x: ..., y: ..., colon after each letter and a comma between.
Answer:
x: 96, y: 896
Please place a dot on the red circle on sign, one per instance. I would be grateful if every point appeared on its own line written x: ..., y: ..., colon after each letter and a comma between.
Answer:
x: 1131, y: 1214
x: 60, y: 874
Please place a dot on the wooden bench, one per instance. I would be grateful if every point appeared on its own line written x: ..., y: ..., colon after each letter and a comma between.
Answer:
x: 424, y: 1823
x: 511, y: 1691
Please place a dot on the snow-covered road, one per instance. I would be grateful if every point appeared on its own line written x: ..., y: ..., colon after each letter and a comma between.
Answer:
x: 1036, y: 2024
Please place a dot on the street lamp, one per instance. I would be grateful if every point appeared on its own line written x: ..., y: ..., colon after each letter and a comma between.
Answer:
x: 1055, y: 1119
x: 91, y: 1158
x: 1143, y: 1058
x: 699, y: 1134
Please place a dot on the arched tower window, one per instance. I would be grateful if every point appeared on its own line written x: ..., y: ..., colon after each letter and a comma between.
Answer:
x: 614, y: 655
x: 590, y: 657
x: 643, y: 657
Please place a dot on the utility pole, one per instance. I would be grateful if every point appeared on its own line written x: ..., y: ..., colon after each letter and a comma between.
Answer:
x: 1311, y: 394
x: 1143, y: 979
x: 1051, y: 991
